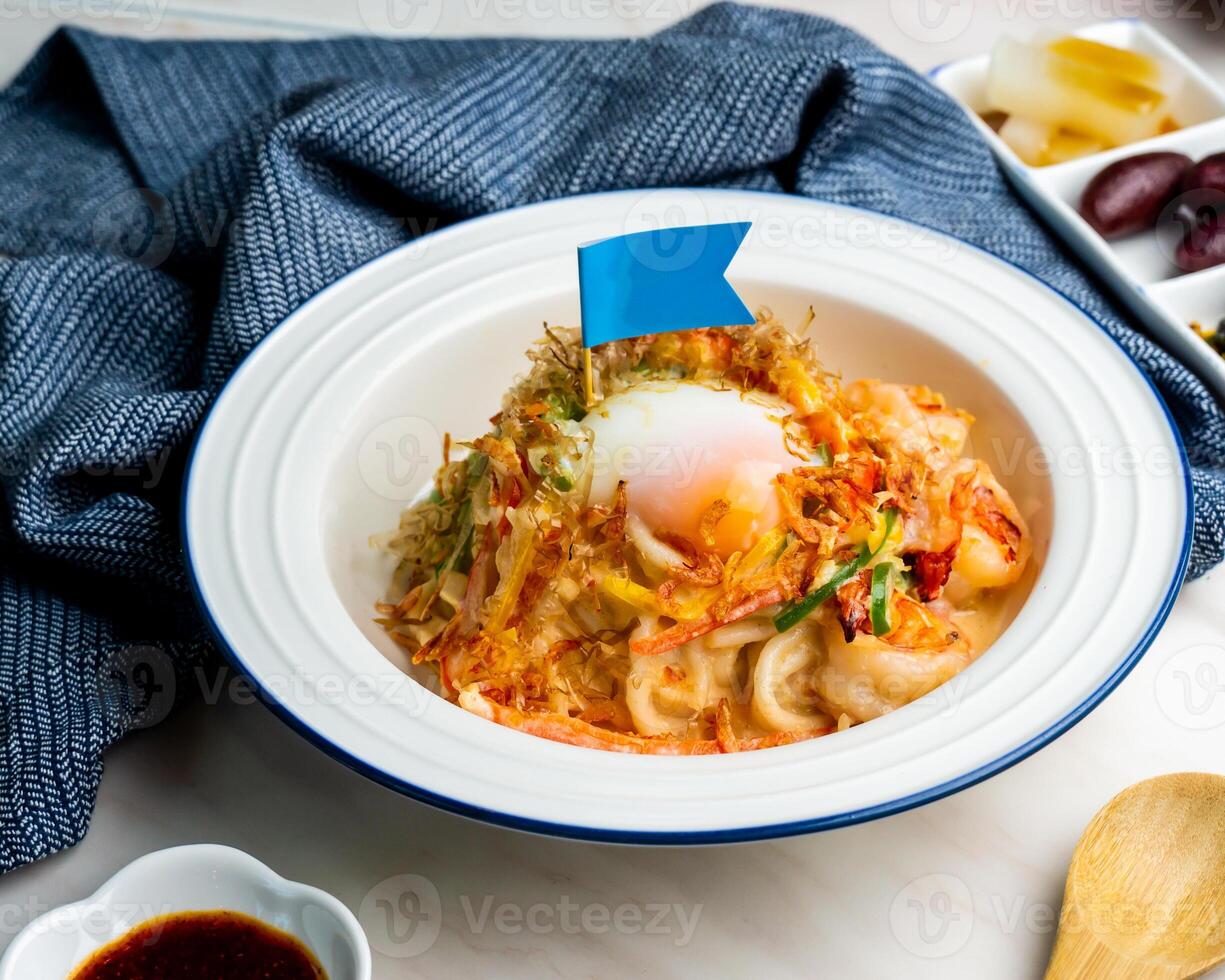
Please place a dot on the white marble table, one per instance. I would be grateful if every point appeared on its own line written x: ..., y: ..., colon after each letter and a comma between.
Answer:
x: 969, y: 886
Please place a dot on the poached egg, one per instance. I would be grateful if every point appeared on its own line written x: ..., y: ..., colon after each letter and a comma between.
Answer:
x: 681, y: 446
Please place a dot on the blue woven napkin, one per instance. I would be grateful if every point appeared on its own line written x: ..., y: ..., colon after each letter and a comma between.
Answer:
x: 164, y: 205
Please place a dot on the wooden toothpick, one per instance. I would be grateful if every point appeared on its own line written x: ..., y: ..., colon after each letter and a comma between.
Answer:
x: 588, y: 381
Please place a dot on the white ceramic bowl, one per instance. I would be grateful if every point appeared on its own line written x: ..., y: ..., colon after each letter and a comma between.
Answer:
x: 333, y: 423
x: 198, y: 877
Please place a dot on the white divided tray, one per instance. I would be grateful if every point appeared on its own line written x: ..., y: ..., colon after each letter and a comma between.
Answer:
x: 1139, y: 268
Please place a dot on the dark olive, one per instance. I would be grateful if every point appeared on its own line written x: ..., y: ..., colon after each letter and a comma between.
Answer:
x: 1128, y: 195
x: 1203, y: 244
x: 1207, y: 175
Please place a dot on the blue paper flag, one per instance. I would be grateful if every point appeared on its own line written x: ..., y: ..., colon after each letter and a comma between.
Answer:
x: 655, y: 281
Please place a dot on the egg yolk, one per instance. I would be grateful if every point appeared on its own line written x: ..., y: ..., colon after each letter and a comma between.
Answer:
x: 749, y: 490
x: 682, y: 449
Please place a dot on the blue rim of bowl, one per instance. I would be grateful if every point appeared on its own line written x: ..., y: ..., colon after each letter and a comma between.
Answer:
x: 735, y: 834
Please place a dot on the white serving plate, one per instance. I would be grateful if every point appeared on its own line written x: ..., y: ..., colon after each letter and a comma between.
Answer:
x: 335, y: 420
x: 1139, y: 269
x: 194, y: 878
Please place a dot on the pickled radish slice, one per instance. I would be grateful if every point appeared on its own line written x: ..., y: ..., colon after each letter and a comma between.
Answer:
x: 1029, y: 140
x: 1066, y: 146
x: 1080, y: 94
x: 1039, y: 144
x: 1131, y: 65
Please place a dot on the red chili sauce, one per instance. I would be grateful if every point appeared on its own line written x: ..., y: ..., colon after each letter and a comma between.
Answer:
x: 217, y: 945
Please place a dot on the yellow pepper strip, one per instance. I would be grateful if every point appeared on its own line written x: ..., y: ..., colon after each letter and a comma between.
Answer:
x: 640, y: 597
x: 767, y: 547
x: 620, y: 587
x: 694, y: 608
x: 874, y: 537
x: 508, y: 592
x: 886, y: 535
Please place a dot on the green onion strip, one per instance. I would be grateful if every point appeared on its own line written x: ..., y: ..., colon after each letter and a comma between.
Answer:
x: 800, y: 609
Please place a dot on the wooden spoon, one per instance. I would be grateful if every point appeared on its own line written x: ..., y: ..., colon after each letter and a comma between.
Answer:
x: 1145, y: 896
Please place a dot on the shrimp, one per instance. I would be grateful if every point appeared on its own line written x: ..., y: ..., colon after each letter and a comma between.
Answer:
x: 995, y: 542
x: 868, y: 676
x: 965, y: 532
x: 926, y: 501
x: 911, y: 418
